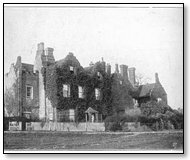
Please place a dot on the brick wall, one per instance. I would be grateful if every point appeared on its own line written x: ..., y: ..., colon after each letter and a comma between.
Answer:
x: 30, y: 105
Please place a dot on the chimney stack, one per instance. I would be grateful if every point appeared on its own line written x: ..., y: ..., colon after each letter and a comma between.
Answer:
x: 103, y: 65
x: 91, y: 64
x: 132, y: 75
x: 108, y: 69
x: 156, y: 78
x: 19, y: 60
x: 49, y: 51
x: 71, y: 54
x: 116, y: 68
x: 40, y: 50
x: 49, y: 55
x: 40, y: 46
x: 124, y: 71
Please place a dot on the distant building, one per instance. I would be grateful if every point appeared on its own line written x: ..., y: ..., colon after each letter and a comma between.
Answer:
x: 147, y: 92
x: 65, y: 91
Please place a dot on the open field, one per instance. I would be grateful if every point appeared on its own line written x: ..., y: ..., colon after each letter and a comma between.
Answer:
x: 93, y: 141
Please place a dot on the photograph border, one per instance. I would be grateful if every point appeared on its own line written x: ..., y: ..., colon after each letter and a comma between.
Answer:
x: 93, y: 152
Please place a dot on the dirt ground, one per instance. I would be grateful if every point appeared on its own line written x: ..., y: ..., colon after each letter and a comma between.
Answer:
x: 93, y: 141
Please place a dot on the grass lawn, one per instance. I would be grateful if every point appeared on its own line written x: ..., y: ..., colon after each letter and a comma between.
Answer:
x: 92, y: 141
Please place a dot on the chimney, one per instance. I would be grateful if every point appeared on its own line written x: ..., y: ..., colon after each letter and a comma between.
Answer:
x: 91, y: 64
x: 40, y: 57
x: 19, y: 60
x: 124, y: 71
x: 103, y: 65
x: 132, y: 75
x: 116, y: 68
x: 49, y: 55
x: 71, y: 54
x: 49, y: 51
x: 156, y: 78
x: 108, y: 69
x: 40, y: 46
x: 40, y: 50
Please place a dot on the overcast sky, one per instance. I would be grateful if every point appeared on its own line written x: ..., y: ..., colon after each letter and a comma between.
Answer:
x: 149, y: 39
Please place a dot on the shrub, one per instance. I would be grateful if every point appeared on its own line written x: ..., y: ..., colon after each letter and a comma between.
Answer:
x: 128, y: 118
x: 177, y: 121
x: 113, y: 118
x: 115, y: 122
x: 114, y: 126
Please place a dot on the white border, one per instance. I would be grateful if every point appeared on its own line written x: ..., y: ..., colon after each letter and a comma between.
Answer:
x: 15, y: 157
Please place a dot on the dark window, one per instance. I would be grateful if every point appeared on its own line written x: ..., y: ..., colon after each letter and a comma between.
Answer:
x: 29, y: 92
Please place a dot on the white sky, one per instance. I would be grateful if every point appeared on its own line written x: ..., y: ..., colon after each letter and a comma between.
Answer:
x: 149, y: 39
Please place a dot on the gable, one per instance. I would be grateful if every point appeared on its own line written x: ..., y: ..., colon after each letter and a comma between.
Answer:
x: 146, y: 90
x: 158, y: 91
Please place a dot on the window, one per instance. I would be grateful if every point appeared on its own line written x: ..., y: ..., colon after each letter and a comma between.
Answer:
x: 120, y: 82
x: 71, y: 68
x: 71, y: 115
x: 29, y: 92
x: 159, y: 99
x: 66, y: 90
x: 99, y: 75
x: 66, y: 115
x: 97, y: 93
x: 81, y: 91
x: 27, y: 114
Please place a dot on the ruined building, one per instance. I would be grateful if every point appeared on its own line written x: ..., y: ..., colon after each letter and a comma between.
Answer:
x: 63, y: 90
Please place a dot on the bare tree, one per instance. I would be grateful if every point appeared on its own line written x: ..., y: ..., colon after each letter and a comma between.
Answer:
x: 141, y: 79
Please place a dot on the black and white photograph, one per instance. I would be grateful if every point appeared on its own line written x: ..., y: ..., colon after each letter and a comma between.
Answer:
x: 93, y: 78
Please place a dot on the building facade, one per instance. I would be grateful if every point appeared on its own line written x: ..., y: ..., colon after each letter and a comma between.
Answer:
x: 149, y: 92
x: 63, y: 90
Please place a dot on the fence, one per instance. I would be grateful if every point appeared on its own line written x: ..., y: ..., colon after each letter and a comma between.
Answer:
x: 15, y: 126
x: 83, y: 126
x: 59, y: 126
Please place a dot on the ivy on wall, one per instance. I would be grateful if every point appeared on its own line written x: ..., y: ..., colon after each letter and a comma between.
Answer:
x: 121, y: 99
x: 112, y: 94
x: 51, y: 85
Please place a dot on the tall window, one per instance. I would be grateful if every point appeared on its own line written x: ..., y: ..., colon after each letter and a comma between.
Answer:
x: 29, y: 92
x: 81, y: 91
x: 66, y: 90
x: 71, y: 68
x: 99, y: 75
x: 97, y: 93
